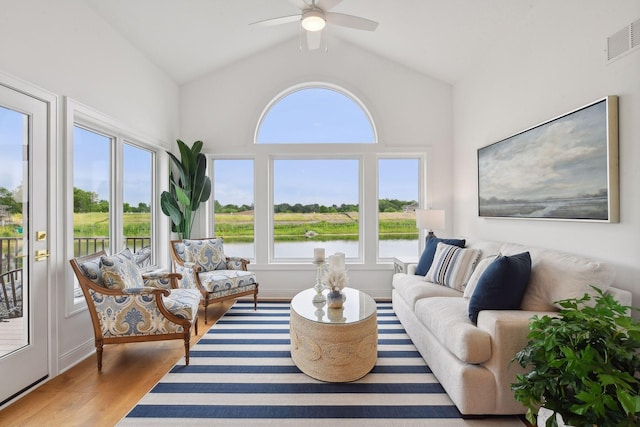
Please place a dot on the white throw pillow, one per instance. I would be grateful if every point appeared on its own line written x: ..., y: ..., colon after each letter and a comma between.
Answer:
x: 477, y: 273
x: 452, y: 266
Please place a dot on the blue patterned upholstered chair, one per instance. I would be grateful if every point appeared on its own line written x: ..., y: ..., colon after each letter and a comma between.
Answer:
x: 126, y: 306
x: 204, y: 266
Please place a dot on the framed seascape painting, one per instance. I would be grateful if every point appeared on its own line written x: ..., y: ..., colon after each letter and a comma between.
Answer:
x: 563, y: 169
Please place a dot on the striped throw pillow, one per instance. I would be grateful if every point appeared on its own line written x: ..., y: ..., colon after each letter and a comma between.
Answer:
x: 452, y: 266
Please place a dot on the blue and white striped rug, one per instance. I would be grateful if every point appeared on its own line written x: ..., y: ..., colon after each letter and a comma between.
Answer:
x: 241, y: 374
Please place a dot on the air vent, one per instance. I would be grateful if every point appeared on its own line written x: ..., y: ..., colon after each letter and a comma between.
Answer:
x: 635, y: 34
x: 623, y: 41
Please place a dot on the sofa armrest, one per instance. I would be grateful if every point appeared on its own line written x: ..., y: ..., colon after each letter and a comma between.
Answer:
x: 508, y: 330
x: 411, y: 268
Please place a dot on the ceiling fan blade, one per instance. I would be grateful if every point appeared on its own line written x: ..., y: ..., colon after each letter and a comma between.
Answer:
x: 277, y: 21
x: 300, y: 4
x: 351, y: 21
x: 327, y: 4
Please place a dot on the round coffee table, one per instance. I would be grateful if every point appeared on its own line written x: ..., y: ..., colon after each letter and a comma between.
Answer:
x: 334, y: 344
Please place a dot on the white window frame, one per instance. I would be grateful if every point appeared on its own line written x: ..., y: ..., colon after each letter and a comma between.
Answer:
x: 422, y: 190
x: 94, y: 121
x: 315, y: 85
x: 361, y: 215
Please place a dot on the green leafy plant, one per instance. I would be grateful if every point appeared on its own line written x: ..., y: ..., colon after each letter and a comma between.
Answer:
x: 585, y: 364
x: 188, y: 187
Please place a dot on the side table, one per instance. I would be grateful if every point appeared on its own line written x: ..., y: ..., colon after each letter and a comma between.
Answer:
x: 334, y: 344
x: 400, y: 264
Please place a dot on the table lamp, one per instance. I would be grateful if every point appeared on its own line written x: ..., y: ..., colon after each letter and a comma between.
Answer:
x: 430, y: 219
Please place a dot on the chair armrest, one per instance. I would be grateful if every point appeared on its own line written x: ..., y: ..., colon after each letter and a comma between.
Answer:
x: 508, y: 330
x: 161, y: 280
x: 146, y: 290
x: 411, y: 268
x: 237, y: 263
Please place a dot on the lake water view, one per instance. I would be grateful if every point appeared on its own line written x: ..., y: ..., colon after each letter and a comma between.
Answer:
x: 303, y: 250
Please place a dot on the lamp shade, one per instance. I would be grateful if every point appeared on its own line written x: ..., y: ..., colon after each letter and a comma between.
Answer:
x: 430, y: 219
x: 313, y: 20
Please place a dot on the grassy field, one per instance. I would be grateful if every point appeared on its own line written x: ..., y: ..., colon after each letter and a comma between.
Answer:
x: 239, y: 226
x: 291, y: 226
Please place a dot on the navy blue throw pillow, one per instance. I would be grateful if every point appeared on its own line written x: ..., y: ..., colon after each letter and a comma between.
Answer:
x: 502, y: 285
x: 426, y: 259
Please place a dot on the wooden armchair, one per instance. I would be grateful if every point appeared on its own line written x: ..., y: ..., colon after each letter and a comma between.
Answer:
x: 126, y: 306
x: 204, y: 266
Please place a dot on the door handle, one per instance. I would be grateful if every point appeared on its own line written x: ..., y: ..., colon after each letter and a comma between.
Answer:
x: 41, y: 255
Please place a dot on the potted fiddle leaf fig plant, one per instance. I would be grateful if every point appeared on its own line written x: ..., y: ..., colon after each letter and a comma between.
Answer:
x: 188, y: 187
x: 585, y: 364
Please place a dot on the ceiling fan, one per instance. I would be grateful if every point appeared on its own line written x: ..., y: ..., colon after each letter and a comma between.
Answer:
x: 315, y: 16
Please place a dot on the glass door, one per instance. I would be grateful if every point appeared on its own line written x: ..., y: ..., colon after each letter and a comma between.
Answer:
x: 23, y: 242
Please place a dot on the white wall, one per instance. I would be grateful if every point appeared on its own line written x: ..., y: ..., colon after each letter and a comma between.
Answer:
x: 408, y: 108
x: 63, y: 47
x: 551, y: 65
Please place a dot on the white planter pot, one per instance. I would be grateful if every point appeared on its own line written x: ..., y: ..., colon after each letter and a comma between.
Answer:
x: 544, y: 414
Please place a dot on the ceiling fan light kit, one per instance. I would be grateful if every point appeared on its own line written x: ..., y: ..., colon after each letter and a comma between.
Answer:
x: 313, y: 20
x: 314, y: 17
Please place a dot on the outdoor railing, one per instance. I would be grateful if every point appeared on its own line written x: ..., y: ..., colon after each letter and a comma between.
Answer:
x: 88, y: 245
x: 11, y: 248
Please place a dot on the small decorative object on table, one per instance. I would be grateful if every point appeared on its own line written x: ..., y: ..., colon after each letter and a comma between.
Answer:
x: 318, y: 260
x: 335, y: 278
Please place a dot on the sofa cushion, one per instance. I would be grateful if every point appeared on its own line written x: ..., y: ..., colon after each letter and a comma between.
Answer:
x: 430, y: 250
x: 502, y: 285
x: 477, y: 273
x: 557, y: 275
x: 452, y: 266
x: 447, y: 319
x: 413, y: 288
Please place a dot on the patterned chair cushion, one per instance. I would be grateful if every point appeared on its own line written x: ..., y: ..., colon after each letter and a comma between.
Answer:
x: 208, y: 253
x: 183, y: 303
x: 91, y: 269
x: 119, y: 271
x: 227, y: 282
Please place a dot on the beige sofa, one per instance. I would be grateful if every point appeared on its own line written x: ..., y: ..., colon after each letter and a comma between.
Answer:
x: 473, y: 362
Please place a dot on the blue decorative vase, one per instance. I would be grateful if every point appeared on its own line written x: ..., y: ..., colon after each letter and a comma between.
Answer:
x: 335, y: 299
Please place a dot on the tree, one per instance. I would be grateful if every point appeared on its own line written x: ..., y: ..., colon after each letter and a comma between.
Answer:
x: 8, y: 200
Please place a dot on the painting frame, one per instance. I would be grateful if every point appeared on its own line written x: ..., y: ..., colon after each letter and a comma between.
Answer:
x: 563, y: 169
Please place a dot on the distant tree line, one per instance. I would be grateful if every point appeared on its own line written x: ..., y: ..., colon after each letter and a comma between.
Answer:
x: 87, y: 201
x: 8, y: 200
x: 384, y: 205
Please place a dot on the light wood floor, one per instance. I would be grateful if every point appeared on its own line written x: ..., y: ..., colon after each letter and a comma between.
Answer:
x: 83, y: 397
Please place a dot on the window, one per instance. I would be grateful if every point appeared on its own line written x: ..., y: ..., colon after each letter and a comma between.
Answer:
x: 398, y: 195
x: 318, y: 178
x: 137, y: 188
x: 112, y: 183
x: 315, y: 200
x: 91, y: 191
x: 315, y: 115
x: 233, y: 205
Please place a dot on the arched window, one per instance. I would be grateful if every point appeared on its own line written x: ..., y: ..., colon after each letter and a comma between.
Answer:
x: 315, y: 114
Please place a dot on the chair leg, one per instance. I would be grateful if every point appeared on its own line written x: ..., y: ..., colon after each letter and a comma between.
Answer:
x: 99, y: 346
x: 187, y: 337
x: 255, y: 300
x: 195, y: 324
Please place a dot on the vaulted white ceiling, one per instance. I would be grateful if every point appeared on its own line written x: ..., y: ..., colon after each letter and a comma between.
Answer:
x: 190, y: 38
